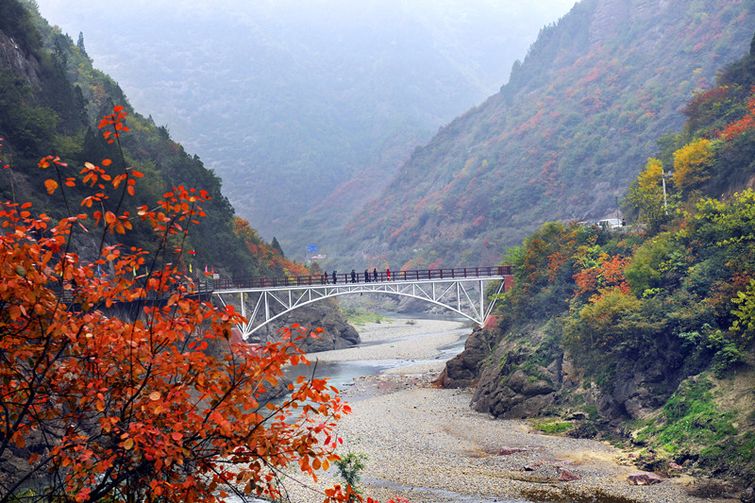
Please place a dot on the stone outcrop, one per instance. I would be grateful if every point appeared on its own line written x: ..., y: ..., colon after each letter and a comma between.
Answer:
x: 17, y: 62
x: 337, y: 332
x: 464, y: 369
x: 526, y: 372
x: 521, y: 380
x: 639, y: 389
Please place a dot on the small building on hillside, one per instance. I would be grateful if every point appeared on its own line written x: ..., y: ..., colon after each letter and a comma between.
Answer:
x: 611, y: 223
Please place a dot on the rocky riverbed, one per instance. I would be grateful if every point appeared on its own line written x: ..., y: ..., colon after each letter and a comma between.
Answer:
x: 426, y: 444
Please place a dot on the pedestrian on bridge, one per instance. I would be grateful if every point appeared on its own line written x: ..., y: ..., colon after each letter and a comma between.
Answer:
x: 353, y: 276
x: 374, y: 274
x: 366, y: 276
x: 335, y: 280
x: 324, y: 278
x: 388, y: 273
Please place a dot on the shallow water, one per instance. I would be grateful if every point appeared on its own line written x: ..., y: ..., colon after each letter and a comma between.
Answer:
x: 342, y: 374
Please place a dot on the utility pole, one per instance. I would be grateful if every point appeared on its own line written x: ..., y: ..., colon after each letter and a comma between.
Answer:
x: 665, y: 201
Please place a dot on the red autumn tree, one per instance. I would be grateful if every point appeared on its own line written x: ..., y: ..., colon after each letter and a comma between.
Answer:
x: 744, y: 124
x: 603, y: 277
x: 118, y: 380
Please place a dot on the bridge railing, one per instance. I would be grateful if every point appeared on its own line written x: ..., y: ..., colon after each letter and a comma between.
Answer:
x: 360, y: 277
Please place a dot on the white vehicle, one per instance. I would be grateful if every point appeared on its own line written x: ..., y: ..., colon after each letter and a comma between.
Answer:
x: 610, y: 223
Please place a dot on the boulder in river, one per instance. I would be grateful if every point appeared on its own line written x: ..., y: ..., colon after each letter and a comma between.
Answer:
x: 337, y: 332
x: 644, y: 478
x: 565, y: 475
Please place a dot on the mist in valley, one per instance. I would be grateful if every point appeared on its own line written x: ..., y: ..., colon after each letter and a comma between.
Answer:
x: 306, y: 110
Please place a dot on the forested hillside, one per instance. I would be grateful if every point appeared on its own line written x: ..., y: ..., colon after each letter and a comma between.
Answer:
x: 51, y: 99
x: 562, y: 139
x: 646, y: 333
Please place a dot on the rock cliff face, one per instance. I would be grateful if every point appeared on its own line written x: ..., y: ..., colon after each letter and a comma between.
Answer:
x: 519, y: 382
x: 513, y: 380
x: 13, y: 58
x: 526, y: 373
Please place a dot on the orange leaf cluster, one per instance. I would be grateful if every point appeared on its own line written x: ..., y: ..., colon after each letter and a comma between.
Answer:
x: 113, y: 124
x: 339, y: 494
x: 607, y: 275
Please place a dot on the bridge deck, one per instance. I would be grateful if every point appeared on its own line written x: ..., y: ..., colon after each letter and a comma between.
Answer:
x: 360, y: 285
x: 352, y: 279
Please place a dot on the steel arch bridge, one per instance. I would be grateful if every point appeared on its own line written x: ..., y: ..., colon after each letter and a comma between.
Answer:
x: 462, y: 291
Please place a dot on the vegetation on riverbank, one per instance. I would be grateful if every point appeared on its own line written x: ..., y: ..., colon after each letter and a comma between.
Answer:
x: 647, y: 328
x: 697, y: 424
x: 552, y: 426
x: 359, y: 316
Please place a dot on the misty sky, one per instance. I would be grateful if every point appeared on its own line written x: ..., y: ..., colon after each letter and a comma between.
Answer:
x: 480, y: 31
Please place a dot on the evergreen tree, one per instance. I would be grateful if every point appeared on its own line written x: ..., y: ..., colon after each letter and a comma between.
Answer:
x: 80, y: 45
x: 277, y: 246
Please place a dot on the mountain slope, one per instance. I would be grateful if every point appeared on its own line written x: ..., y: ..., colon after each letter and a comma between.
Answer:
x: 561, y: 140
x: 50, y: 101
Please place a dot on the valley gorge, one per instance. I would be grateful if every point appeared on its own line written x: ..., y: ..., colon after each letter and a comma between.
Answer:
x: 606, y: 186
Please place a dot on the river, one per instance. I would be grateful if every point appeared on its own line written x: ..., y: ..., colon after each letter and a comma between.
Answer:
x: 343, y: 367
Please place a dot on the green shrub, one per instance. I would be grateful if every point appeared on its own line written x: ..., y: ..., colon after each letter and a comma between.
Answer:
x: 691, y: 424
x: 553, y: 426
x: 728, y: 357
x: 744, y: 324
x: 350, y: 468
x: 652, y: 261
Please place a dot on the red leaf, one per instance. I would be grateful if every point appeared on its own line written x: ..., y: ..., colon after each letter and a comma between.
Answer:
x: 51, y: 186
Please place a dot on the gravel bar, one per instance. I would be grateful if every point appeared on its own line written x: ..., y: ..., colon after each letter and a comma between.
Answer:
x: 428, y: 445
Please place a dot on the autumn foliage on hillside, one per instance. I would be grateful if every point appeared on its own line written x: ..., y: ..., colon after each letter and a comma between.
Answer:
x: 659, y: 315
x: 118, y: 380
x: 568, y: 132
x: 743, y: 125
x: 270, y: 257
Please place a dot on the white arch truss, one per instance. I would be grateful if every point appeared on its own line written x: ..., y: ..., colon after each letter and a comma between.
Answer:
x: 464, y: 296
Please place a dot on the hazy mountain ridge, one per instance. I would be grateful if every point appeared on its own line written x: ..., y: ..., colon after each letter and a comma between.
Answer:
x: 562, y: 140
x: 293, y: 101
